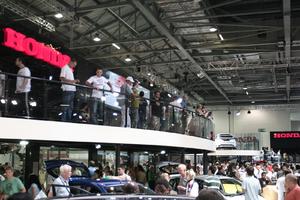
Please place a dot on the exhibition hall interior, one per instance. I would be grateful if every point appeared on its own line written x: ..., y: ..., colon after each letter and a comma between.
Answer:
x: 150, y: 99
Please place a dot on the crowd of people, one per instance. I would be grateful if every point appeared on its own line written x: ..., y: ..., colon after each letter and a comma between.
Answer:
x: 254, y: 178
x: 156, y: 113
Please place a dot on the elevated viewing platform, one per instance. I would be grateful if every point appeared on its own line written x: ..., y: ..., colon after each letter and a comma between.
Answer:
x: 24, y: 129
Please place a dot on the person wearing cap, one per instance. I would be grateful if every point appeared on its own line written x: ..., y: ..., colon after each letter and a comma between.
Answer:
x: 126, y: 91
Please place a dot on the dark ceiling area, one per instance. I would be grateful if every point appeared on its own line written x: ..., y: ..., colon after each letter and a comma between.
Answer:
x: 220, y: 52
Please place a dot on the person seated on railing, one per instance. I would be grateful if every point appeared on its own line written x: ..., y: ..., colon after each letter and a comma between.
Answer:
x: 126, y: 91
x: 135, y: 104
x: 97, y: 82
x: 23, y: 87
x: 67, y: 76
x: 156, y: 111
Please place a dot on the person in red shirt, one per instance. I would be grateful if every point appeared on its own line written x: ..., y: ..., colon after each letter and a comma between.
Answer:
x: 291, y: 187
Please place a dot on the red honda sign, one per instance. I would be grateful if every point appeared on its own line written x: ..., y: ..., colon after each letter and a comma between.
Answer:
x: 286, y: 135
x: 285, y: 139
x: 31, y: 47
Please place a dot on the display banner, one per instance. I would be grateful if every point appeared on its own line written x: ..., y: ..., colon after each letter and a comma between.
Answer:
x: 285, y: 139
x: 31, y: 47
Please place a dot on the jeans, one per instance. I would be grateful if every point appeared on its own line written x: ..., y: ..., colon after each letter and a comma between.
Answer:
x: 95, y: 109
x: 68, y: 104
x: 23, y: 108
x: 142, y: 120
x: 134, y: 116
x: 123, y: 116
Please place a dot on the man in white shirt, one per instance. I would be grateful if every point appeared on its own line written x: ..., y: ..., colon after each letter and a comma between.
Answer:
x: 126, y: 91
x: 280, y: 185
x: 98, y: 83
x: 61, y: 183
x: 23, y: 87
x: 251, y: 185
x: 122, y: 175
x: 67, y: 76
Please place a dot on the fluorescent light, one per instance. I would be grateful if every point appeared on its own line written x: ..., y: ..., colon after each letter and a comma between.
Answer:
x: 98, y: 146
x: 213, y: 29
x: 149, y: 74
x: 127, y: 59
x: 245, y: 88
x: 221, y: 37
x: 238, y: 113
x: 23, y: 142
x: 58, y: 15
x: 252, y: 101
x: 247, y: 93
x: 3, y: 101
x: 97, y: 39
x: 116, y: 46
x: 163, y: 152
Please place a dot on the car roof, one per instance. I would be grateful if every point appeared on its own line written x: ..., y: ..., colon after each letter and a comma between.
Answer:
x: 51, y: 164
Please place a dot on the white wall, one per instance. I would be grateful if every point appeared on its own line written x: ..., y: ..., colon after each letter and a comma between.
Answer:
x: 250, y: 123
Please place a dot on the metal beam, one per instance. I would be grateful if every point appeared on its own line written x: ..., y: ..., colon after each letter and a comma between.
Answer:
x: 287, y: 39
x: 101, y: 6
x: 161, y: 28
x: 92, y: 45
x: 274, y: 79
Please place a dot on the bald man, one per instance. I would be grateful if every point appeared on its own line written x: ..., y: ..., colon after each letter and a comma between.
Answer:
x: 291, y: 187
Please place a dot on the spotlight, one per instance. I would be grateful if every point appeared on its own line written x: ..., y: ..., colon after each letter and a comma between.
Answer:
x: 33, y: 103
x: 252, y: 102
x: 115, y: 114
x: 149, y: 74
x: 74, y: 114
x: 151, y: 84
x: 162, y: 152
x: 249, y: 112
x: 245, y: 88
x: 169, y: 95
x: 58, y: 15
x: 3, y: 101
x: 247, y: 93
x: 80, y: 117
x: 213, y: 29
x: 24, y: 142
x: 14, y: 102
x: 98, y: 146
x: 50, y: 78
x: 127, y: 59
x: 60, y: 114
x: 97, y: 38
x: 238, y: 113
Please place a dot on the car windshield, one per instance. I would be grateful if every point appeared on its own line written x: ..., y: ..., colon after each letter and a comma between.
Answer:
x: 170, y: 169
x: 231, y: 187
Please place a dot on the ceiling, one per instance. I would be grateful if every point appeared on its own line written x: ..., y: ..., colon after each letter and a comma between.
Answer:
x: 252, y: 56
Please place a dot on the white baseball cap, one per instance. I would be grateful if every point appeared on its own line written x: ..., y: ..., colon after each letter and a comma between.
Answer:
x: 129, y: 78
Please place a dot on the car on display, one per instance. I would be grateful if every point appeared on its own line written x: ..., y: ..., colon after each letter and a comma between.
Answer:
x: 81, y: 178
x: 230, y: 188
x: 225, y: 141
x: 167, y: 167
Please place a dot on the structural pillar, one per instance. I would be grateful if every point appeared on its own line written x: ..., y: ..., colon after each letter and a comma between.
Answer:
x: 31, y: 162
x: 205, y: 163
x: 118, y: 150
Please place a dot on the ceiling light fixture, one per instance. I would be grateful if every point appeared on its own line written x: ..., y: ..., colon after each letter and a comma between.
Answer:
x: 252, y: 102
x: 245, y: 88
x: 58, y: 15
x: 96, y: 38
x: 116, y: 46
x: 127, y: 59
x: 249, y: 112
x: 213, y: 29
x: 221, y: 37
x: 247, y: 93
x: 238, y: 113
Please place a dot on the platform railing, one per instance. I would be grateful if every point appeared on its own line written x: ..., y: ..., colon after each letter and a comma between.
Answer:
x: 45, y: 103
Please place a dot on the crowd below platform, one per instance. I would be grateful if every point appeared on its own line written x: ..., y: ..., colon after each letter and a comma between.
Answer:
x: 165, y: 113
x: 253, y: 176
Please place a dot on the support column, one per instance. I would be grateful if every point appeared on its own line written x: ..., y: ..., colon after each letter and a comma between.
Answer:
x: 182, y: 156
x: 31, y: 162
x: 195, y: 161
x: 205, y: 163
x: 93, y: 154
x: 117, y: 162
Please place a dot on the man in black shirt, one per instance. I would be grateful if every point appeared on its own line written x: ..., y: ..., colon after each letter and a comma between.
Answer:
x: 156, y: 111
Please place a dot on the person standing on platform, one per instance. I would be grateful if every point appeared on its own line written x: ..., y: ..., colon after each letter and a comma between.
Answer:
x: 142, y: 111
x: 98, y: 82
x: 67, y: 76
x: 23, y: 87
x: 126, y: 91
x: 135, y: 104
x: 156, y: 111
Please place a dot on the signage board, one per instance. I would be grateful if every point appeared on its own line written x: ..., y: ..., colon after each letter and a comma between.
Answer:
x: 285, y: 139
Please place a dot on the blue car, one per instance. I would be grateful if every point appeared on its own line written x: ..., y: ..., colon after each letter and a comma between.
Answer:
x: 81, y: 178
